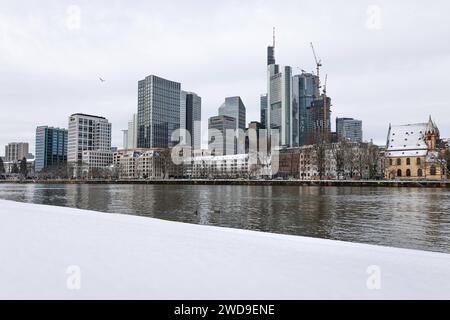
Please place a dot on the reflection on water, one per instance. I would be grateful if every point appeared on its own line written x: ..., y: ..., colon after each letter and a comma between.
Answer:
x: 401, y: 217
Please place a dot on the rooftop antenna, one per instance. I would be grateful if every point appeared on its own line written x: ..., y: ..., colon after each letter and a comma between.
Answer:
x: 274, y: 37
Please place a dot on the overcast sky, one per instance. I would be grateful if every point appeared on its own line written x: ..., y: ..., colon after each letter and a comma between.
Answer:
x: 387, y: 61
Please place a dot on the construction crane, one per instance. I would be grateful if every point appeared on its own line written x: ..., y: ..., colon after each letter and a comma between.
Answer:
x: 325, y: 85
x: 318, y: 65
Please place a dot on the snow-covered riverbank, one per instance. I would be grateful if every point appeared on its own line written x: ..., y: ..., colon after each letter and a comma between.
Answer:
x: 53, y: 252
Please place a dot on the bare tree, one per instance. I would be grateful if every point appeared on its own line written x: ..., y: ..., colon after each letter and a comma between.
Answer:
x: 15, y: 168
x: 373, y: 161
x: 320, y: 151
x: 443, y: 158
x: 339, y: 153
x: 56, y: 171
x: 2, y: 168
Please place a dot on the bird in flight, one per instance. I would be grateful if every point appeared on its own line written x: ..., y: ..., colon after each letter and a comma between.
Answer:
x: 101, y: 79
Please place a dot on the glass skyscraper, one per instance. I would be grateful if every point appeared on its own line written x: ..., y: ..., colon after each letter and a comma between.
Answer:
x: 263, y: 110
x: 303, y: 94
x: 158, y: 112
x: 51, y: 147
x: 279, y: 112
x: 234, y: 107
x: 190, y: 117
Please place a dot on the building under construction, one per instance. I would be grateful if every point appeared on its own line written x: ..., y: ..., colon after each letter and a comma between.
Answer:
x: 319, y: 124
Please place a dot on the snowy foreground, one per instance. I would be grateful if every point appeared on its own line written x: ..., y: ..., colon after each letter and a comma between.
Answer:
x: 52, y: 252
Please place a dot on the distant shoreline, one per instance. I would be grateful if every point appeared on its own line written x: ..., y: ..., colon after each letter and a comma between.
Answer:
x: 331, y: 183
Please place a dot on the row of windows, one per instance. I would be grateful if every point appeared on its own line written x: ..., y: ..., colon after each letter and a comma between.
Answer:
x: 419, y: 172
x: 408, y: 161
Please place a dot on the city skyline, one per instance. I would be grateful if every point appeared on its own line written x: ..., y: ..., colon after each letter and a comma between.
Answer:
x: 371, y: 75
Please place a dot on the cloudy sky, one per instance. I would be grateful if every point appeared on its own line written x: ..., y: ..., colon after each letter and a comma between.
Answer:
x: 387, y: 61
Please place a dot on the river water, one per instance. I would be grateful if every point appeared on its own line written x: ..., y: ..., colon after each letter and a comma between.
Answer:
x: 415, y: 218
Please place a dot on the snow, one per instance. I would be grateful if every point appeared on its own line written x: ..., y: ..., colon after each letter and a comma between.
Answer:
x: 407, y: 140
x: 53, y: 252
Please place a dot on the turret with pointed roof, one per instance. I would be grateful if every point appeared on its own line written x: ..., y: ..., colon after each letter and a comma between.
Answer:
x: 432, y: 128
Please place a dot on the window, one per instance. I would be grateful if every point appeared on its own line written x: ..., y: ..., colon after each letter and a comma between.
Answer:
x: 433, y: 170
x: 418, y: 161
x: 408, y: 161
x: 390, y: 162
x: 419, y: 173
x: 399, y: 162
x: 408, y: 173
x: 399, y: 173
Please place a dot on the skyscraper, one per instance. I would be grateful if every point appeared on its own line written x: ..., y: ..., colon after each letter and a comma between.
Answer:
x: 87, y: 133
x: 279, y: 86
x: 263, y: 110
x: 234, y: 107
x: 51, y: 147
x: 132, y: 132
x: 303, y: 94
x: 350, y: 129
x: 158, y: 112
x: 16, y: 151
x: 190, y: 117
x: 125, y: 139
x: 279, y: 105
x: 222, y: 138
x: 319, y: 124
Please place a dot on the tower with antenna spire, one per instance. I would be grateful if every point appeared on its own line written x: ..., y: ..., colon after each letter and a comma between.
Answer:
x: 278, y: 114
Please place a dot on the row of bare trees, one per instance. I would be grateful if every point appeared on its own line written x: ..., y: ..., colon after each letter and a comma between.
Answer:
x: 347, y: 160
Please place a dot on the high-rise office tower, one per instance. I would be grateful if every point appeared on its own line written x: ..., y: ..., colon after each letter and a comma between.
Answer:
x: 125, y: 139
x: 253, y: 137
x: 350, y: 129
x: 87, y: 133
x: 234, y: 107
x: 303, y: 94
x: 51, y: 147
x: 263, y: 110
x: 16, y: 151
x: 158, y: 112
x: 279, y: 104
x: 319, y: 124
x: 132, y: 132
x: 279, y: 84
x: 222, y: 138
x: 191, y: 117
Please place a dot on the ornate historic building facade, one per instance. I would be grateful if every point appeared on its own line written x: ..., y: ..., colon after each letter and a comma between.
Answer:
x: 412, y: 152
